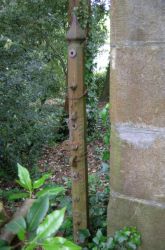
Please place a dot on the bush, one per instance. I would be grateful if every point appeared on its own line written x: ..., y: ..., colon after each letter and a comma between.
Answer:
x: 99, y: 81
x: 24, y: 133
x: 37, y: 228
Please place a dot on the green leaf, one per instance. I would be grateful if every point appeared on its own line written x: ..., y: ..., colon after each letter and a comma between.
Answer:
x: 21, y: 235
x: 106, y: 139
x: 120, y: 237
x: 50, y: 191
x: 38, y: 183
x: 83, y: 235
x: 21, y: 185
x: 132, y: 246
x: 18, y: 196
x: 106, y: 155
x: 110, y: 243
x: 24, y: 177
x: 31, y: 246
x: 100, y: 238
x: 51, y: 224
x: 107, y: 106
x: 105, y: 113
x: 16, y: 225
x: 59, y: 243
x: 4, y: 245
x: 37, y: 212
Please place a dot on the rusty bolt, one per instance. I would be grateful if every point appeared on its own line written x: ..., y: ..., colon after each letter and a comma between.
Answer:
x: 78, y: 223
x: 73, y: 86
x: 74, y: 126
x: 77, y: 199
x: 72, y: 53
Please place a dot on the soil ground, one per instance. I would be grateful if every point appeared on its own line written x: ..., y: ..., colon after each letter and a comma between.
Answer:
x: 56, y: 160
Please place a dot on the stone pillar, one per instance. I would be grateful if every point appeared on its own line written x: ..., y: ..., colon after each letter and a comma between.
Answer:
x: 137, y: 89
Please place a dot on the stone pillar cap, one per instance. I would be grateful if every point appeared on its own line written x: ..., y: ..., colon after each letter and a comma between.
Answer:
x: 75, y: 33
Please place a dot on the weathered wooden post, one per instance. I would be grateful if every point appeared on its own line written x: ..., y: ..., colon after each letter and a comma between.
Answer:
x: 77, y: 126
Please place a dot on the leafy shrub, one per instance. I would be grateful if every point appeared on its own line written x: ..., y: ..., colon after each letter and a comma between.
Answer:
x: 38, y: 228
x: 92, y: 19
x: 104, y: 114
x: 32, y: 71
x: 98, y: 201
x: 127, y: 238
x: 24, y: 134
x: 30, y: 186
x: 99, y: 81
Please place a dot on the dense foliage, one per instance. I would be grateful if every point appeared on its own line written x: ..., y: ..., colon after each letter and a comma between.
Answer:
x: 32, y: 70
x: 36, y: 227
x: 92, y: 19
x: 33, y: 74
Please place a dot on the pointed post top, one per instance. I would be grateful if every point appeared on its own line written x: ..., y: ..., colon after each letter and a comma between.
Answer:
x: 75, y: 33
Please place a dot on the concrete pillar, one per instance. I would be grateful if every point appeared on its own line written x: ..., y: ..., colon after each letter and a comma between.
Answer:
x: 137, y: 89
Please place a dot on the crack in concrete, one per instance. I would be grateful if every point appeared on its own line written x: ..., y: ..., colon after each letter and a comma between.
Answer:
x: 142, y: 201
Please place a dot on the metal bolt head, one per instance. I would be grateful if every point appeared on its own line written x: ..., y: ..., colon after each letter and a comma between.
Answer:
x: 77, y: 199
x: 73, y: 86
x: 78, y: 223
x: 72, y: 53
x: 74, y: 126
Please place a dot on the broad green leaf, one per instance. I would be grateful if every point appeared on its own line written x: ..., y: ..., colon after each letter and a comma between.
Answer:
x: 37, y: 212
x: 17, y: 196
x: 104, y: 115
x: 50, y: 191
x: 4, y: 245
x: 99, y: 237
x: 16, y: 225
x: 83, y: 235
x: 59, y: 243
x: 21, y: 235
x: 106, y: 155
x: 51, y: 224
x: 24, y: 177
x: 110, y: 243
x: 38, y: 183
x: 132, y: 246
x: 106, y: 139
x: 107, y: 106
x: 21, y: 185
x: 31, y: 246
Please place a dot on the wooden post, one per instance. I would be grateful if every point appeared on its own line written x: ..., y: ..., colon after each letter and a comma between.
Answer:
x: 77, y: 126
x: 72, y: 5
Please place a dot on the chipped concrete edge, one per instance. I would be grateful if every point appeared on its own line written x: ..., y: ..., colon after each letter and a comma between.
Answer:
x: 142, y: 201
x: 139, y: 135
